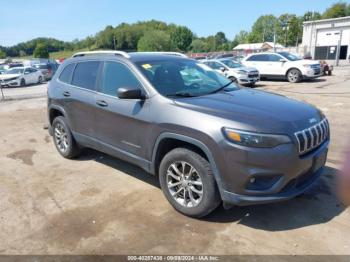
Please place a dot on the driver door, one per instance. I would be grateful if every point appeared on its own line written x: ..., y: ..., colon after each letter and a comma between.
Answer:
x: 121, y: 124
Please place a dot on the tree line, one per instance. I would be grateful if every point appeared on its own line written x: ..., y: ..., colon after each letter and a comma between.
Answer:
x: 159, y: 36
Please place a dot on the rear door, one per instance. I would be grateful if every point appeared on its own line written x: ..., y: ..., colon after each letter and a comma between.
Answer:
x: 121, y: 123
x: 260, y: 62
x: 79, y: 96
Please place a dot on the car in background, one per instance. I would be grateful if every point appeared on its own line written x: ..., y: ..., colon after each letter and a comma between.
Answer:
x: 234, y: 71
x: 21, y: 76
x: 283, y: 65
x: 48, y: 69
x: 224, y: 56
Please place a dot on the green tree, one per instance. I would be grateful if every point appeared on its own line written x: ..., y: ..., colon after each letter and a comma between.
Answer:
x: 181, y: 38
x: 336, y: 10
x: 2, y: 54
x: 263, y: 29
x: 240, y: 38
x: 22, y: 53
x: 155, y: 40
x: 310, y: 16
x: 198, y: 46
x: 290, y: 30
x: 41, y: 51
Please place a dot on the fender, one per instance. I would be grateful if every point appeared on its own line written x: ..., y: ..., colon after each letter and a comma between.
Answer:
x: 193, y: 141
x: 56, y: 107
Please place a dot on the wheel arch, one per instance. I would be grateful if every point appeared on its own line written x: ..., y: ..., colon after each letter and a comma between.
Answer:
x: 184, y: 141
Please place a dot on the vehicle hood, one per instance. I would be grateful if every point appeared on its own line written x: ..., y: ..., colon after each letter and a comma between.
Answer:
x: 255, y: 110
x: 244, y: 68
x: 8, y: 76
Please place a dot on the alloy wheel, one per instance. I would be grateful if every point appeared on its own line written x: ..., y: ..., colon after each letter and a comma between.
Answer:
x: 184, y: 184
x: 61, y: 138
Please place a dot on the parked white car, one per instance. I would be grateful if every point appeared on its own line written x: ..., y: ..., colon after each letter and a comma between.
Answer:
x: 234, y: 70
x: 21, y: 76
x: 283, y: 65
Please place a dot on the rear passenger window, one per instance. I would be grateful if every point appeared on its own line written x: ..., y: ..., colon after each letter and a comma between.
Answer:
x: 66, y: 74
x: 258, y: 58
x: 85, y: 74
x: 116, y: 75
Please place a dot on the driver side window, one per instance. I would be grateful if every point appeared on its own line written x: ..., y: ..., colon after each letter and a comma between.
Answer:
x: 116, y: 75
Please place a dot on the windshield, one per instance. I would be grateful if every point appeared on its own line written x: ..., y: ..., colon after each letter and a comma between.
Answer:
x: 290, y: 56
x: 15, y: 71
x: 231, y: 64
x: 40, y: 66
x: 177, y: 77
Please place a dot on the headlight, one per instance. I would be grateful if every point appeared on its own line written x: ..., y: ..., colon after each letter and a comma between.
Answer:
x: 242, y: 72
x: 255, y: 139
x: 307, y: 66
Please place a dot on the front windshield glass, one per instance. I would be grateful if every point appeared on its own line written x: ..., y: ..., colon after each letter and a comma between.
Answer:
x: 290, y: 56
x: 15, y: 71
x: 178, y: 77
x: 231, y: 64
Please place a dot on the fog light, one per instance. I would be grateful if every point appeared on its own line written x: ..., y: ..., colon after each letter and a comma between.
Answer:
x: 252, y: 180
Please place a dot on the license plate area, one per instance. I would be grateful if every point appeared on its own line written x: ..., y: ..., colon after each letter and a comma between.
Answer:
x: 319, y: 161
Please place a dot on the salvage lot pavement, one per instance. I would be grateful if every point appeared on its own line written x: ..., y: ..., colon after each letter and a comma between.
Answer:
x: 97, y: 204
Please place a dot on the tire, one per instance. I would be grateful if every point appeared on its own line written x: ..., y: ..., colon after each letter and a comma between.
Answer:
x: 329, y: 72
x: 40, y: 79
x: 23, y: 82
x: 233, y: 79
x: 205, y: 197
x: 294, y: 75
x: 63, y: 139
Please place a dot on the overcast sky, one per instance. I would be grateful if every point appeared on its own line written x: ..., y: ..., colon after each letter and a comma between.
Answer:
x: 69, y: 19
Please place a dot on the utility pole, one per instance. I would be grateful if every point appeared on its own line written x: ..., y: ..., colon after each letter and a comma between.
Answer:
x: 338, y: 48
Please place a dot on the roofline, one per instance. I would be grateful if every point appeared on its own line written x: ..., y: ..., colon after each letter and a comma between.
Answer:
x: 162, y: 53
x: 326, y: 20
x: 102, y: 52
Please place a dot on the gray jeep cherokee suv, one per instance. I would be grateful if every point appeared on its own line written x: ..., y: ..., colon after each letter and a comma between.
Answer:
x: 206, y: 139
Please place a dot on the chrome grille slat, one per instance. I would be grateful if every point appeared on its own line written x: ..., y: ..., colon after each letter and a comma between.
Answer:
x: 310, y: 138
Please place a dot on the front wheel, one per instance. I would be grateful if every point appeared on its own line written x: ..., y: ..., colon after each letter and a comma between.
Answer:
x: 294, y: 76
x: 188, y: 183
x: 40, y: 79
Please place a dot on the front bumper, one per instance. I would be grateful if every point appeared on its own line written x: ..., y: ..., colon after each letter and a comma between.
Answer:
x: 312, y: 73
x: 248, y: 80
x: 5, y: 83
x: 256, y: 176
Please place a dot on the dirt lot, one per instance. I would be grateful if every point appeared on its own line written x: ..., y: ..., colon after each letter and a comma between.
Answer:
x: 100, y: 205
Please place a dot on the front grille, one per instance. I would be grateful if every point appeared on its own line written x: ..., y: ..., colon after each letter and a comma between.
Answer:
x: 253, y: 75
x: 310, y: 138
x: 315, y: 66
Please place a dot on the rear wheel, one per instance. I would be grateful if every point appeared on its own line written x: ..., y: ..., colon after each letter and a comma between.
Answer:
x: 294, y: 75
x: 188, y: 183
x: 63, y: 138
x: 23, y: 82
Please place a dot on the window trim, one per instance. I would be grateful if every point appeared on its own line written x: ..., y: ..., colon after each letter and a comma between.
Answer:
x: 99, y: 76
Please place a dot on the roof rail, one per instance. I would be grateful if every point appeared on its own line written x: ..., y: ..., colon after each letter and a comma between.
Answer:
x: 102, y: 52
x: 166, y: 53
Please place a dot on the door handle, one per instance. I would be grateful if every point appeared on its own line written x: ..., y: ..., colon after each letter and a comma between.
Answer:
x: 101, y: 103
x: 66, y: 93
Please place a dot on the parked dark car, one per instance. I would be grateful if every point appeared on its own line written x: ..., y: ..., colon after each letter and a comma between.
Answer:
x: 206, y: 139
x: 48, y: 69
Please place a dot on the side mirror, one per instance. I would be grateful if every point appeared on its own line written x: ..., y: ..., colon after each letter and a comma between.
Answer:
x: 283, y: 60
x: 222, y: 69
x: 130, y: 93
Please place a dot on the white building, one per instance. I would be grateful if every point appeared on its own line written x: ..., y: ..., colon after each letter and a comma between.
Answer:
x: 256, y: 47
x: 321, y: 38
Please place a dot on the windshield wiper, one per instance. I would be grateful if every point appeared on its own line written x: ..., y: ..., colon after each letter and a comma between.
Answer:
x: 222, y: 88
x: 181, y: 94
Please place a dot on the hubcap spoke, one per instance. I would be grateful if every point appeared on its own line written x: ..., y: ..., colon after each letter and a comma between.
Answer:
x: 184, y: 184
